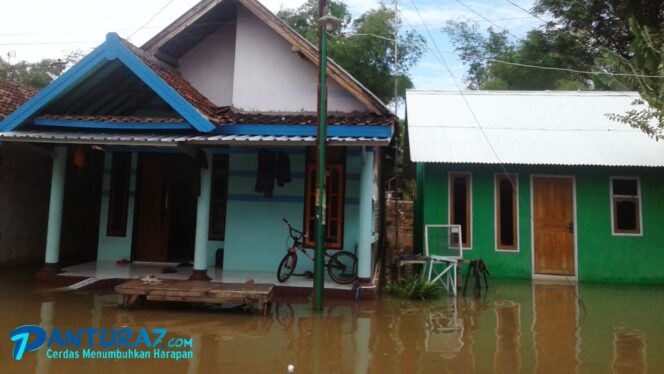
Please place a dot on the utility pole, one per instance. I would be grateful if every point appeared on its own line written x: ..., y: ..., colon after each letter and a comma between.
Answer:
x: 319, y: 254
x: 398, y: 152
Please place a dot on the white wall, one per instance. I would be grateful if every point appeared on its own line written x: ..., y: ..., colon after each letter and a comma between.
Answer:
x: 209, y: 65
x: 269, y: 76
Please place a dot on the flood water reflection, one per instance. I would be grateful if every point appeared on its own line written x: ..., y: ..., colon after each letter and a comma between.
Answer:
x: 516, y: 327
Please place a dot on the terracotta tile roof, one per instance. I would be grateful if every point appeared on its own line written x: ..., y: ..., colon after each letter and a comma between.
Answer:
x: 12, y: 96
x: 225, y: 115
x: 218, y: 115
x: 118, y: 119
x: 175, y: 80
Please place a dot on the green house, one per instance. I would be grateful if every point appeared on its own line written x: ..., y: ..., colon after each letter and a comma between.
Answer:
x: 543, y: 184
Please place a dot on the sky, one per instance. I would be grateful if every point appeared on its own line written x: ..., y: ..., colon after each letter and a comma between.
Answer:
x: 34, y: 29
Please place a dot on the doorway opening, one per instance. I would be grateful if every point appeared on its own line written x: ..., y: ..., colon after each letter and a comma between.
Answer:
x: 166, y: 194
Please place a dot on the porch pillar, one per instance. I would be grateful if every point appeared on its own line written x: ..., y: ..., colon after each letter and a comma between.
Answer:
x: 365, y: 220
x: 203, y: 222
x: 52, y: 256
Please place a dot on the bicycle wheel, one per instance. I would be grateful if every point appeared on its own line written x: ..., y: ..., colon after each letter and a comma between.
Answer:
x: 342, y: 267
x: 286, y: 267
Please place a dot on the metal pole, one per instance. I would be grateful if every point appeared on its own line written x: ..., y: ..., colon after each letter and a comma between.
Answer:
x: 320, y: 180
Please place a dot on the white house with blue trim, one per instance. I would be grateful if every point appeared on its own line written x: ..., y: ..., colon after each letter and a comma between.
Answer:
x: 196, y: 145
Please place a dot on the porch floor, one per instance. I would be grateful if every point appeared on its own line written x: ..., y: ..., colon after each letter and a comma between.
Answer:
x: 101, y: 270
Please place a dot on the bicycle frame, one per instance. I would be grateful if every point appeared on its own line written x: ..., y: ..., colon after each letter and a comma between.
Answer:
x: 298, y: 244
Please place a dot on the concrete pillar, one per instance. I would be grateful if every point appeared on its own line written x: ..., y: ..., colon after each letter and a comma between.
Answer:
x: 52, y: 256
x: 203, y: 222
x: 365, y: 221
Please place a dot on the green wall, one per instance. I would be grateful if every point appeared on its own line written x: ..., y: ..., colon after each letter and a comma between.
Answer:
x: 602, y: 257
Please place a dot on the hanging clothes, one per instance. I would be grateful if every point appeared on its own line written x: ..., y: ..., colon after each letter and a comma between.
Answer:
x: 283, y: 172
x: 272, y: 166
x: 265, y: 172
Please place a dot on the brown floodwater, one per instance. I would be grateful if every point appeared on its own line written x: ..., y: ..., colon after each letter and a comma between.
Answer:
x: 516, y: 327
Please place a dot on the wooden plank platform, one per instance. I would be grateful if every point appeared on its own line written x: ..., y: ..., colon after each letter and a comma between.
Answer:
x: 253, y: 294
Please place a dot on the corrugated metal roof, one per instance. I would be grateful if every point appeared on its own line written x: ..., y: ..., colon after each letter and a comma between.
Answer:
x: 171, y: 140
x: 536, y: 128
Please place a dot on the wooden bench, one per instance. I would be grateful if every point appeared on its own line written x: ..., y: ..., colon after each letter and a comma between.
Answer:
x: 253, y: 294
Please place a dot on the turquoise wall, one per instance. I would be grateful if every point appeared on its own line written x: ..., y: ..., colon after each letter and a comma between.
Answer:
x: 602, y: 257
x: 255, y: 234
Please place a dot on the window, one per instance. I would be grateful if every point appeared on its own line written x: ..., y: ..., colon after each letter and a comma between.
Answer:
x: 118, y: 200
x: 626, y: 206
x: 219, y: 197
x: 460, y: 205
x: 334, y: 197
x: 506, y: 213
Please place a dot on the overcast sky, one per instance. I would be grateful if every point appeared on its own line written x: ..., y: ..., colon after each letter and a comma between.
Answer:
x: 35, y: 29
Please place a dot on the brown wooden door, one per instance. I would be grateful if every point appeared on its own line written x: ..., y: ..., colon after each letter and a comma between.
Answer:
x: 152, y: 224
x: 553, y: 211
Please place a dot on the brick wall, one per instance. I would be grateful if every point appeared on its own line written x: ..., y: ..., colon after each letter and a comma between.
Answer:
x: 399, y: 221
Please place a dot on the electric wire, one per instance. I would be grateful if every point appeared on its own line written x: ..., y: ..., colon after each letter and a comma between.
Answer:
x: 441, y: 59
x: 482, y: 17
x: 151, y: 19
x: 576, y: 70
x: 527, y: 11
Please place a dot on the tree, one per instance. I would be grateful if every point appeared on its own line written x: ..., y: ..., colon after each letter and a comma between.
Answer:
x: 37, y: 74
x: 603, y: 23
x: 540, y: 47
x: 364, y: 47
x: 646, y: 61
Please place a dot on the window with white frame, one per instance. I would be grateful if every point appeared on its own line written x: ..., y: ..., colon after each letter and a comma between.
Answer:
x: 626, y: 206
x: 506, y: 212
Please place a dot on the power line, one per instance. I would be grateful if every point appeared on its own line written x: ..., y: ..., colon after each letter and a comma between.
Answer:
x: 527, y: 11
x: 51, y: 43
x: 575, y: 70
x: 151, y: 18
x: 484, y: 18
x: 463, y: 96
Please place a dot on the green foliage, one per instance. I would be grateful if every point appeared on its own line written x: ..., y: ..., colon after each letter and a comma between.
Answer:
x: 646, y: 59
x: 602, y: 23
x: 415, y: 289
x: 37, y: 74
x: 547, y: 48
x: 364, y: 47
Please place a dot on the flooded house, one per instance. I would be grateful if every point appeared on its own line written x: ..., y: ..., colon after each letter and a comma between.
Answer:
x: 543, y: 184
x: 192, y: 149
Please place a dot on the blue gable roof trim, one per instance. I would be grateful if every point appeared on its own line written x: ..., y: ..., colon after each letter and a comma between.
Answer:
x: 113, y: 48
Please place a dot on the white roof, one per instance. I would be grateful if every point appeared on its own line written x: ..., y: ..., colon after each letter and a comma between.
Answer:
x: 532, y: 127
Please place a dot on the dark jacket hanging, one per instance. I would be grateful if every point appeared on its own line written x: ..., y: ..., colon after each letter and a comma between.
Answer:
x: 265, y: 172
x: 283, y: 168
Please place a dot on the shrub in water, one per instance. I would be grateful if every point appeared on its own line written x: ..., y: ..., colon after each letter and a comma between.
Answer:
x: 415, y: 289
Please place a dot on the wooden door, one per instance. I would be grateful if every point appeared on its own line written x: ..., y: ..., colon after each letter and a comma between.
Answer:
x: 152, y: 224
x: 553, y: 213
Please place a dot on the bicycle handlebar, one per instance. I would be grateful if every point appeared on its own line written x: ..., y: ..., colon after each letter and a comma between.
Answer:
x: 301, y: 234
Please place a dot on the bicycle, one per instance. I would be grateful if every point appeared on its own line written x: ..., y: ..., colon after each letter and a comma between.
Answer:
x: 341, y: 266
